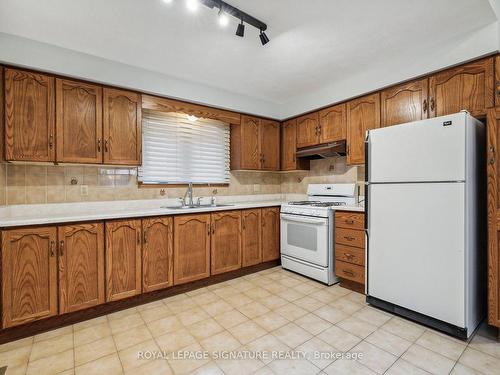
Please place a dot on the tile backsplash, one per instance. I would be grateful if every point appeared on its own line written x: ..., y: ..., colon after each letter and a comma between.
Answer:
x: 27, y: 183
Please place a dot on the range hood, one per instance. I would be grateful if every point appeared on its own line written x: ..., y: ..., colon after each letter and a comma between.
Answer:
x: 326, y: 150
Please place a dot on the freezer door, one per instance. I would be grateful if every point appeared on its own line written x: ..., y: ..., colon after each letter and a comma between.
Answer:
x: 427, y: 150
x: 416, y: 249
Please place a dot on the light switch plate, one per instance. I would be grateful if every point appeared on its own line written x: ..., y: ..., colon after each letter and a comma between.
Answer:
x: 84, y: 190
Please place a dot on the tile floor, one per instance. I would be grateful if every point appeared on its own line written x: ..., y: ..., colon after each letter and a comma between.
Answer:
x: 273, y: 310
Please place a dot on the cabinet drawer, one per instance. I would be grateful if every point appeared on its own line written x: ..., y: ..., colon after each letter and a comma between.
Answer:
x: 350, y: 254
x: 350, y: 271
x: 350, y: 237
x: 350, y: 220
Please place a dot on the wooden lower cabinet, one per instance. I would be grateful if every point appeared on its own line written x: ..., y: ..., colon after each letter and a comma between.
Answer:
x: 251, y: 237
x: 29, y: 275
x: 191, y: 248
x: 123, y: 259
x: 270, y: 233
x: 157, y: 253
x: 81, y: 266
x: 225, y: 242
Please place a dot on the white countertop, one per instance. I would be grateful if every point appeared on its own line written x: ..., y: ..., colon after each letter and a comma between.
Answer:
x: 39, y: 214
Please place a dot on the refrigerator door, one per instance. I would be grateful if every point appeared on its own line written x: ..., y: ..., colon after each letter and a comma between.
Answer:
x: 421, y: 151
x: 416, y: 248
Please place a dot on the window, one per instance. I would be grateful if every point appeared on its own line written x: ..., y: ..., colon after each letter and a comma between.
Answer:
x: 178, y: 149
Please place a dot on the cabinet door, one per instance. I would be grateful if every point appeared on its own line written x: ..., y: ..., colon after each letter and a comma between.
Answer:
x: 270, y: 233
x: 362, y: 114
x: 123, y: 259
x: 288, y: 145
x: 191, y: 248
x: 493, y: 130
x: 332, y: 124
x: 225, y: 242
x: 405, y: 103
x: 78, y: 122
x: 251, y: 237
x: 250, y: 154
x: 307, y: 130
x: 29, y: 116
x: 497, y: 80
x: 122, y: 127
x: 468, y: 86
x: 270, y: 145
x: 157, y: 250
x: 81, y: 266
x: 29, y: 275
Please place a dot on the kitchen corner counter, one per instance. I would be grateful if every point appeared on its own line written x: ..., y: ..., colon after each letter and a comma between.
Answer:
x: 42, y: 214
x: 350, y: 208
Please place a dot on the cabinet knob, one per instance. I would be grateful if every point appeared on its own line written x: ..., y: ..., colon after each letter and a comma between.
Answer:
x: 348, y: 272
x: 61, y: 248
x: 424, y: 106
x: 349, y: 238
x: 491, y: 160
x: 432, y: 104
x: 106, y: 142
x: 99, y: 145
x: 52, y: 245
x: 51, y: 141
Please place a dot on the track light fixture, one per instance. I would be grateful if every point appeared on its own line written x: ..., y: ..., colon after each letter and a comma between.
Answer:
x: 263, y: 38
x: 240, y: 30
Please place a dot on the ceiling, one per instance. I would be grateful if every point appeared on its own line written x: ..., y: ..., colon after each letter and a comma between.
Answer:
x: 314, y: 43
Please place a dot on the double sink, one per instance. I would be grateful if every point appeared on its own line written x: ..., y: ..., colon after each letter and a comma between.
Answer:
x: 188, y: 207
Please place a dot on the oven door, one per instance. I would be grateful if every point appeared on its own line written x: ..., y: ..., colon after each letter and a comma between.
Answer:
x: 305, y: 238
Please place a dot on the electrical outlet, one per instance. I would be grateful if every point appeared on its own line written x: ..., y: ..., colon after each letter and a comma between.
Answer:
x: 256, y: 188
x: 84, y: 190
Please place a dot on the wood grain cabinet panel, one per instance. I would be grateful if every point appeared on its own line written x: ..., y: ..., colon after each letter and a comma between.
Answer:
x: 191, y: 248
x: 122, y: 127
x: 2, y: 117
x: 250, y: 150
x: 497, y: 80
x: 270, y: 233
x: 251, y: 237
x: 269, y: 145
x: 307, y: 130
x: 29, y: 116
x: 123, y: 259
x: 78, y: 122
x: 405, y: 103
x: 468, y: 86
x: 362, y: 114
x: 157, y: 253
x: 81, y: 266
x: 332, y: 124
x: 29, y: 275
x: 289, y: 160
x: 493, y: 130
x: 225, y: 242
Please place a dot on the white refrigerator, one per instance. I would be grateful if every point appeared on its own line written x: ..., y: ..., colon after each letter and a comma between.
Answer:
x: 426, y: 221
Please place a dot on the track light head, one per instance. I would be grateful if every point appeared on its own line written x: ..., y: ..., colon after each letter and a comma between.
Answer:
x: 263, y: 38
x: 240, y: 30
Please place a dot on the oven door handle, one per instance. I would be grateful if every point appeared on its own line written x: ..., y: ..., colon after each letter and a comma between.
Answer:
x: 304, y: 220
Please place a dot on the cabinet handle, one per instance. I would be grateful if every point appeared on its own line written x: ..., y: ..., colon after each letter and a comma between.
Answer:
x: 491, y: 160
x: 432, y: 104
x: 208, y: 229
x: 348, y: 256
x: 316, y: 131
x: 213, y: 228
x: 51, y: 141
x: 144, y: 238
x: 106, y: 145
x: 52, y: 245
x: 61, y: 248
x: 349, y: 238
x: 424, y: 105
x: 348, y: 272
x: 347, y: 221
x: 99, y: 145
x: 319, y: 129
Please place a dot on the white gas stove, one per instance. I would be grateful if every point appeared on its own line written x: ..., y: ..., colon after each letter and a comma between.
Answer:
x: 307, y: 245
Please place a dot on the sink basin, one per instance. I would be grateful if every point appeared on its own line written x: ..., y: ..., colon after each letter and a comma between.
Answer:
x: 201, y: 206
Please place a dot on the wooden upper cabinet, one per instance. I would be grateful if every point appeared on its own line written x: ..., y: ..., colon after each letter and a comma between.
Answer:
x: 123, y: 259
x: 157, y: 253
x: 225, y: 242
x: 270, y: 227
x: 122, y: 127
x: 78, y: 122
x: 251, y: 237
x: 468, y: 86
x: 29, y: 116
x: 332, y: 124
x: 405, y: 103
x: 493, y: 130
x: 29, y: 275
x: 497, y: 80
x: 191, y: 248
x: 362, y: 114
x: 270, y: 145
x: 2, y: 117
x: 307, y: 130
x: 250, y: 154
x: 289, y: 160
x: 81, y: 266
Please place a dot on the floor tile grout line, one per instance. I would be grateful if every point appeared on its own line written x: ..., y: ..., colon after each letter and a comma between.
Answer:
x: 114, y: 342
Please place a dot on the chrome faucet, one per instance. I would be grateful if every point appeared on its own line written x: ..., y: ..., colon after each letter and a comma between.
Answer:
x: 189, y: 193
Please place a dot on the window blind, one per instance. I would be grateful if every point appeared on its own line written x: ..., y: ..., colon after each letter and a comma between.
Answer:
x: 177, y: 150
